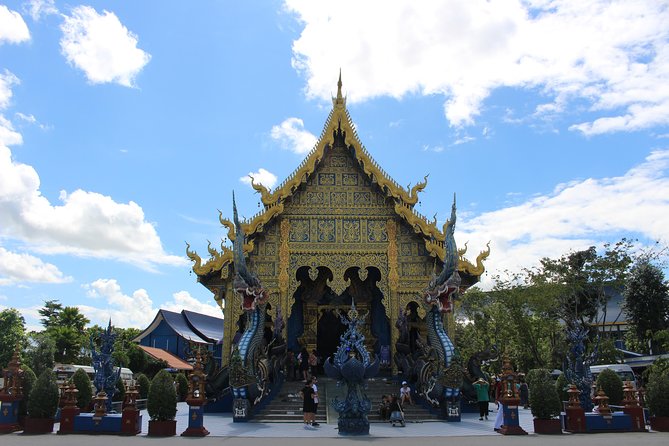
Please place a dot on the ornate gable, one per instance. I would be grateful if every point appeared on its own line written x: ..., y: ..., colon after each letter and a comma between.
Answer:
x: 338, y: 199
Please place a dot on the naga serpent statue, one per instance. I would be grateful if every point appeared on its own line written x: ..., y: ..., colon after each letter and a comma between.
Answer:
x: 440, y: 376
x: 248, y: 365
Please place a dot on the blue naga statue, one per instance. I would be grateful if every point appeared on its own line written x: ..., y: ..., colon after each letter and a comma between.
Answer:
x: 440, y: 374
x: 106, y: 375
x: 352, y: 364
x: 249, y: 368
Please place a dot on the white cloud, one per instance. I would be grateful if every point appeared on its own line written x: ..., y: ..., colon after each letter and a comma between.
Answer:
x: 13, y: 28
x: 291, y: 136
x: 8, y: 136
x: 7, y: 80
x: 86, y: 224
x: 575, y: 216
x: 18, y: 268
x: 40, y: 8
x: 262, y: 176
x: 136, y: 310
x: 611, y: 55
x: 182, y: 300
x: 99, y: 45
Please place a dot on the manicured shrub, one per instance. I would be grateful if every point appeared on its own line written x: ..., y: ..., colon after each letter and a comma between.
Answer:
x: 162, y: 399
x: 83, y: 384
x: 612, y: 385
x: 544, y: 401
x: 119, y: 395
x: 562, y: 385
x: 143, y: 383
x: 43, y: 400
x: 29, y: 379
x: 182, y: 386
x: 657, y: 390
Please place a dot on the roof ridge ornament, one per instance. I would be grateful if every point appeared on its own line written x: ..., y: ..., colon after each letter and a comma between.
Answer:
x: 339, y: 101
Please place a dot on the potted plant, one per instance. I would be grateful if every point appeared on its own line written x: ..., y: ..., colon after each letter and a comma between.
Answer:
x: 544, y: 402
x: 162, y: 406
x: 42, y: 404
x: 657, y: 395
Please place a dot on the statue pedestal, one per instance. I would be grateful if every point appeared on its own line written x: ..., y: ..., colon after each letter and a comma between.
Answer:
x: 511, y: 424
x: 353, y: 426
x: 67, y: 415
x: 9, y: 414
x: 574, y: 420
x: 638, y: 422
x: 195, y: 422
x: 241, y: 410
x: 616, y: 422
x: 453, y: 411
x: 131, y: 421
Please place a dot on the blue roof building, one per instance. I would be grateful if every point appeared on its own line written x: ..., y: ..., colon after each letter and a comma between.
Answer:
x: 175, y: 332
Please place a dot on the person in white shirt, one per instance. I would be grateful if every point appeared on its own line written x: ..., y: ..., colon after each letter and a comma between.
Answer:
x: 315, y: 387
x: 405, y: 394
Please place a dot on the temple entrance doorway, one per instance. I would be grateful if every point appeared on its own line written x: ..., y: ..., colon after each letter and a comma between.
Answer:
x: 330, y: 328
x: 315, y: 320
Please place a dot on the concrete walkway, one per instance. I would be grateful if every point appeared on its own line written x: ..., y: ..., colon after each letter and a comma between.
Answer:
x: 470, y: 431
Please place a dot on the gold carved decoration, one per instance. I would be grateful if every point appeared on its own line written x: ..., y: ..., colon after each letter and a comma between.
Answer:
x: 284, y: 256
x: 393, y: 276
x: 215, y: 262
x: 338, y: 263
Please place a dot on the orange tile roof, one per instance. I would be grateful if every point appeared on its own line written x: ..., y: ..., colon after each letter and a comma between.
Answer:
x: 171, y: 360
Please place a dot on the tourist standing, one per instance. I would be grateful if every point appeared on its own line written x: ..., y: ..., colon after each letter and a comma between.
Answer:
x: 314, y: 382
x: 307, y: 393
x: 482, y: 387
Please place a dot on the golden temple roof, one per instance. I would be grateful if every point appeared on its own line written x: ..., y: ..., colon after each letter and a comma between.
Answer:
x: 338, y: 121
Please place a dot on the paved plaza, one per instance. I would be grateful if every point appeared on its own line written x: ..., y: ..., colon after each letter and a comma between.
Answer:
x: 470, y: 431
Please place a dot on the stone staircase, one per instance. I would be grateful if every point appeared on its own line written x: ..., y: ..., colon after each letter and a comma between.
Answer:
x: 286, y: 407
x: 379, y: 386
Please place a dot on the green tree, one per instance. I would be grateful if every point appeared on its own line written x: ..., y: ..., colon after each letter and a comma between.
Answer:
x: 119, y: 395
x: 608, y: 353
x: 647, y: 303
x: 50, y: 313
x: 83, y: 384
x: 66, y: 327
x: 12, y: 333
x: 40, y: 352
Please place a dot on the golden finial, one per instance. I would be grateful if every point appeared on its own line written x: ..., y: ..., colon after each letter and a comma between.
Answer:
x: 340, y: 100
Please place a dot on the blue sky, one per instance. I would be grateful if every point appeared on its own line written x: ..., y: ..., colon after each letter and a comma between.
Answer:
x: 124, y: 126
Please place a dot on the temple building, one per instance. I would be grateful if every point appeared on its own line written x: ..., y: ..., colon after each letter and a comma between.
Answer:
x: 338, y: 229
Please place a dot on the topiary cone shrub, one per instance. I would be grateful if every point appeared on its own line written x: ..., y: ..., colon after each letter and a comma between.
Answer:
x: 119, y: 395
x: 612, y: 385
x: 182, y: 386
x: 144, y: 383
x: 83, y: 384
x: 544, y: 402
x: 42, y: 404
x: 29, y: 379
x: 162, y: 405
x: 561, y: 385
x: 657, y: 395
